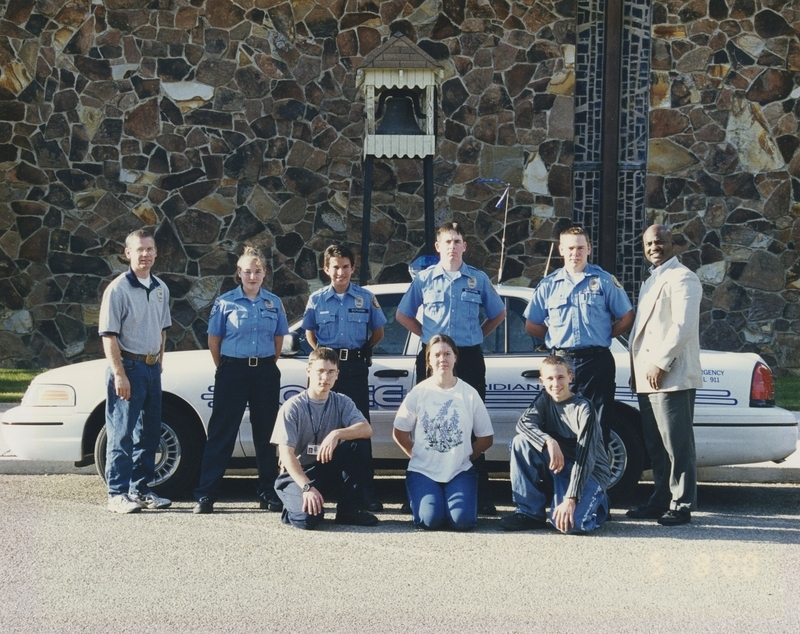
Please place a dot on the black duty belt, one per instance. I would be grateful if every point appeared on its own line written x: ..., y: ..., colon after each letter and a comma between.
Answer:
x: 346, y: 355
x: 149, y: 359
x: 253, y: 362
x: 589, y: 351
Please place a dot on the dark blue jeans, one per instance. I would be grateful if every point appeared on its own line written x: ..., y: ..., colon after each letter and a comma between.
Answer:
x: 236, y: 385
x: 452, y: 504
x: 534, y: 487
x: 133, y: 429
x: 344, y: 476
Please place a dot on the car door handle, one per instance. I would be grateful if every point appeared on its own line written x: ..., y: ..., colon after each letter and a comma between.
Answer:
x: 392, y: 373
x: 531, y: 374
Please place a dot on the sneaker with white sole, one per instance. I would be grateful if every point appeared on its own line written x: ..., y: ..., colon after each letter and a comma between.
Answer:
x: 151, y: 501
x: 123, y: 503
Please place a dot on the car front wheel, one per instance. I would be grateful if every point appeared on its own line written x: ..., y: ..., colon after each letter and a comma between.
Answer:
x: 626, y: 456
x: 178, y: 455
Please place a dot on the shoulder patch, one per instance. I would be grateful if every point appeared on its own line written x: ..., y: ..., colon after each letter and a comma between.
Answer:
x: 375, y: 302
x: 215, y: 307
x: 616, y: 282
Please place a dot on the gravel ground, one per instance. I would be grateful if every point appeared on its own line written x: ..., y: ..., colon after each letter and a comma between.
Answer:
x: 68, y: 565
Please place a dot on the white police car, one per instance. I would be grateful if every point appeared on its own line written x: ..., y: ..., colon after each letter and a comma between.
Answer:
x: 62, y: 414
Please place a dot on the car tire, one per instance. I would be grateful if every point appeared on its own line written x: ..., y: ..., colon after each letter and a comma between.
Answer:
x: 626, y: 455
x: 178, y: 455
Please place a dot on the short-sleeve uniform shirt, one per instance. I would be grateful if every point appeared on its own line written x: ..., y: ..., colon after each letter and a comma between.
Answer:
x: 247, y: 327
x: 345, y: 322
x: 578, y: 315
x: 452, y: 306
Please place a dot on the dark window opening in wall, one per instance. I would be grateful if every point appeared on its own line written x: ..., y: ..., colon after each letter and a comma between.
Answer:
x: 611, y: 117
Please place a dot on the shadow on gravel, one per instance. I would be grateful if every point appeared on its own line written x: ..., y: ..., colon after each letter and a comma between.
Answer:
x: 739, y: 512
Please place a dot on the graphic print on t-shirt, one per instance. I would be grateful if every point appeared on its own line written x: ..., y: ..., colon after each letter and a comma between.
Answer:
x: 442, y: 432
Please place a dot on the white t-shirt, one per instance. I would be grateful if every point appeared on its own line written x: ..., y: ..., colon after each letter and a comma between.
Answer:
x: 442, y: 421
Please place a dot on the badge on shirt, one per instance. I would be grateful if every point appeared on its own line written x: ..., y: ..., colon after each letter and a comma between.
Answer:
x: 472, y: 282
x: 594, y: 284
x: 215, y: 307
x: 268, y: 304
x: 359, y: 301
x: 375, y: 302
x: 616, y: 282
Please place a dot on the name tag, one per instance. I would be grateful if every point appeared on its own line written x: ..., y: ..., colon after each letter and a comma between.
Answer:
x: 313, y: 450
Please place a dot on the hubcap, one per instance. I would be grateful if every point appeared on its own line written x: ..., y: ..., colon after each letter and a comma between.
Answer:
x: 617, y: 457
x: 168, y: 455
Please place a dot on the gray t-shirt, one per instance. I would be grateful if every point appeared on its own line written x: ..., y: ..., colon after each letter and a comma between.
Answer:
x: 303, y: 421
x: 135, y: 314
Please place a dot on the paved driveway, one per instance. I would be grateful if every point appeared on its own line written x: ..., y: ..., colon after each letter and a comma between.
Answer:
x: 67, y: 565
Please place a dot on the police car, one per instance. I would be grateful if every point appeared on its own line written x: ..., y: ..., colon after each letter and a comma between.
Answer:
x: 62, y: 413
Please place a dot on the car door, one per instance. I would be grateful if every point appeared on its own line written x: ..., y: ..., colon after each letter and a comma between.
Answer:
x: 512, y: 359
x: 391, y: 377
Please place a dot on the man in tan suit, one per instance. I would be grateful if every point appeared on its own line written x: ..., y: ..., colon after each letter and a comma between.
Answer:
x: 665, y: 369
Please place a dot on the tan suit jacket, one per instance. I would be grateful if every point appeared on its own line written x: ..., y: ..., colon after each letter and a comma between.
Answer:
x: 666, y: 331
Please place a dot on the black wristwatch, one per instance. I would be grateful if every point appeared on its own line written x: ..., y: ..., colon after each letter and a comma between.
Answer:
x: 307, y: 487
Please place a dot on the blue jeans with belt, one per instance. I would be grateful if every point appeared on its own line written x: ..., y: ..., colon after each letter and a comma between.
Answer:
x: 133, y: 429
x: 235, y: 385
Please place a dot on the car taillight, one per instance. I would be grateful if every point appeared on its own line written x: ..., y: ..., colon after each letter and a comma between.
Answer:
x: 762, y: 386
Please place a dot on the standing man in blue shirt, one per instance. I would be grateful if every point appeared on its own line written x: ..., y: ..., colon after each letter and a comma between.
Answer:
x: 451, y: 294
x: 348, y: 319
x: 578, y: 310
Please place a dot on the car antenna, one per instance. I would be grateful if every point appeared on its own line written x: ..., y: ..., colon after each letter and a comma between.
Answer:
x: 505, y: 219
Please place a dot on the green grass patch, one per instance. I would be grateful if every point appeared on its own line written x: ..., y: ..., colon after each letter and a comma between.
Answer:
x: 787, y: 392
x: 13, y: 384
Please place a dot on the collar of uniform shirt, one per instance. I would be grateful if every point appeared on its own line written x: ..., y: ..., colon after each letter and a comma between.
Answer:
x: 439, y: 270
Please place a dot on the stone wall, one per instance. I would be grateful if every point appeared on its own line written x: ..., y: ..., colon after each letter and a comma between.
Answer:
x: 221, y: 123
x: 724, y: 167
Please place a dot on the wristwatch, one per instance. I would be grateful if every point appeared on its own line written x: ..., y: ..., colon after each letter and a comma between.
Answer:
x: 307, y: 487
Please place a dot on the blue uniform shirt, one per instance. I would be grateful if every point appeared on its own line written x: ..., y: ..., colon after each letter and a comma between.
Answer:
x: 343, y: 323
x: 452, y: 307
x: 248, y: 328
x: 579, y: 315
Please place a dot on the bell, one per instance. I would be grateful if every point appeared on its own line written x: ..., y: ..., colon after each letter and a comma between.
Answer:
x: 399, y: 117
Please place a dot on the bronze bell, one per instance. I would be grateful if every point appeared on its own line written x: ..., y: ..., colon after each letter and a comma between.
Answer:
x: 399, y: 117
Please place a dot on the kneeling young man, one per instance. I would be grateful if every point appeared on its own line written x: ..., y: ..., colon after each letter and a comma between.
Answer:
x: 558, y: 459
x: 323, y: 444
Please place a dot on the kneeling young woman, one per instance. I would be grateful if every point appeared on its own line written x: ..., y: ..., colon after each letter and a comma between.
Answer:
x: 450, y: 427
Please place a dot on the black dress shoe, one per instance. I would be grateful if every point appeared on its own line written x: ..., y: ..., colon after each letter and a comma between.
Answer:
x: 203, y: 507
x: 487, y: 509
x: 521, y: 522
x: 272, y: 504
x: 405, y: 507
x: 675, y: 518
x: 373, y: 506
x: 646, y: 512
x: 356, y: 518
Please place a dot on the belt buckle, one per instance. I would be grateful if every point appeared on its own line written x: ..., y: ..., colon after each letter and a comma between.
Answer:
x: 343, y: 354
x: 252, y: 362
x: 151, y: 359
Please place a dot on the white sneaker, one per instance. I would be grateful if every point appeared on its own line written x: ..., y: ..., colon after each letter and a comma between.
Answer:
x: 151, y: 501
x: 123, y: 504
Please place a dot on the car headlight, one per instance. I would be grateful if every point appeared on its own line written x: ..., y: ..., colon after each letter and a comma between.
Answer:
x: 49, y: 396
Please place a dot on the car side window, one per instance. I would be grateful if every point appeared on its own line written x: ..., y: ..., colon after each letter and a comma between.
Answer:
x: 519, y: 341
x: 395, y: 336
x: 510, y: 336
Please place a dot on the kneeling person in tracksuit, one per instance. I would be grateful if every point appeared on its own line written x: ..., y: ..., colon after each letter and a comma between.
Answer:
x: 323, y: 444
x: 558, y: 459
